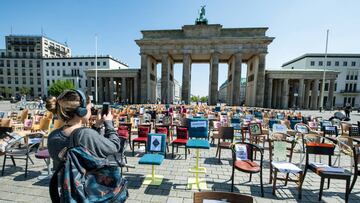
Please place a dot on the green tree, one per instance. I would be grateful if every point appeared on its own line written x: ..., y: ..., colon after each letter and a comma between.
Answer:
x: 59, y: 86
x: 195, y: 98
x: 24, y: 90
x: 203, y: 99
x: 5, y: 91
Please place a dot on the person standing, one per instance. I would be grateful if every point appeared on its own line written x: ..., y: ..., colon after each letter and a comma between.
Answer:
x: 347, y: 110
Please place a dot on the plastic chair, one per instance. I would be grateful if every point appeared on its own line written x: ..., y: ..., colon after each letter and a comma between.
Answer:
x: 198, y: 139
x: 156, y: 148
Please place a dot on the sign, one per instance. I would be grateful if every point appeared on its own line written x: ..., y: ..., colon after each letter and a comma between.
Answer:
x: 302, y: 129
x: 155, y: 145
x: 198, y: 124
x: 279, y: 128
x: 241, y: 152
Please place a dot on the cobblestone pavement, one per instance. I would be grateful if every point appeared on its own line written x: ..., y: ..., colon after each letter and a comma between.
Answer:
x: 15, y: 188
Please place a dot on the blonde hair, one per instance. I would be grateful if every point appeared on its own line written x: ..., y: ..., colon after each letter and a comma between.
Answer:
x: 65, y: 104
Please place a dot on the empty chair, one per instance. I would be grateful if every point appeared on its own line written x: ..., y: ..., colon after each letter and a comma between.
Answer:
x: 143, y: 132
x: 182, y: 137
x: 226, y: 138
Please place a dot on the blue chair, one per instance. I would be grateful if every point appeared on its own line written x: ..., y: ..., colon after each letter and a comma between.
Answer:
x: 258, y: 114
x: 293, y: 122
x: 217, y: 109
x: 272, y: 122
x: 156, y: 148
x: 198, y: 139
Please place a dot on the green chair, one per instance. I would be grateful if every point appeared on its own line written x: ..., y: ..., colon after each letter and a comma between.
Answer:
x: 156, y: 148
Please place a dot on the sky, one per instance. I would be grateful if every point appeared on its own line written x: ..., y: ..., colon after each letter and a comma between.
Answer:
x: 299, y: 26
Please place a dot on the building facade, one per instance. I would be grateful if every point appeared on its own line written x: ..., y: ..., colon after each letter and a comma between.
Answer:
x: 347, y: 84
x: 73, y: 69
x: 223, y: 91
x: 176, y: 88
x: 21, y: 63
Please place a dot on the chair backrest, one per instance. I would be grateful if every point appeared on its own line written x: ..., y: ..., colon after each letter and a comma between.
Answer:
x: 123, y: 131
x: 258, y: 114
x: 302, y: 128
x: 272, y: 122
x: 255, y: 129
x: 162, y: 130
x: 354, y: 131
x: 143, y: 131
x: 27, y: 123
x: 279, y: 128
x: 325, y: 123
x: 330, y: 130
x: 245, y: 151
x: 293, y: 122
x: 226, y: 133
x: 45, y: 124
x: 24, y: 115
x: 182, y: 133
x: 5, y: 122
x: 320, y: 148
x: 199, y: 197
x: 34, y: 141
x: 156, y: 143
x: 345, y: 127
x: 280, y: 116
x: 198, y: 127
x: 281, y: 147
x: 313, y: 125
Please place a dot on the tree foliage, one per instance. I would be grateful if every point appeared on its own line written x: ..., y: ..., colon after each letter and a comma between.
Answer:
x: 59, y: 86
x: 25, y: 90
x: 195, y: 98
x: 204, y: 99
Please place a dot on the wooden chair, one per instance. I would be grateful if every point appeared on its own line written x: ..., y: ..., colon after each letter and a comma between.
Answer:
x: 328, y: 150
x: 199, y: 197
x: 226, y: 134
x: 182, y: 137
x: 129, y: 126
x: 243, y: 160
x: 281, y: 151
x: 143, y: 131
x: 256, y: 134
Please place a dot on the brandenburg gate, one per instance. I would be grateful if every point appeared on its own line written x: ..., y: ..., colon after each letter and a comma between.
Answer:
x: 204, y: 43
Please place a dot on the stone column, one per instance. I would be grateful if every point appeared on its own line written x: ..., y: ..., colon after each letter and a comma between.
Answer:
x: 331, y: 94
x: 186, y: 79
x: 101, y: 90
x: 260, y: 81
x: 111, y: 89
x: 307, y: 94
x: 123, y: 89
x: 213, y: 78
x: 301, y: 93
x: 314, y: 94
x: 165, y: 79
x: 88, y: 83
x: 270, y: 92
x: 273, y: 102
x: 145, y: 78
x: 136, y: 99
x: 107, y: 92
x: 286, y: 93
x: 236, y: 84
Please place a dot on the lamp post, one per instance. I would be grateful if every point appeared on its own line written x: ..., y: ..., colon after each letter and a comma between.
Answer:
x: 324, y: 73
x: 96, y: 73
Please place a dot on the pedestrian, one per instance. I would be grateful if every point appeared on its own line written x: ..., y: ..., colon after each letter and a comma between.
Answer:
x: 41, y: 104
x: 347, y: 110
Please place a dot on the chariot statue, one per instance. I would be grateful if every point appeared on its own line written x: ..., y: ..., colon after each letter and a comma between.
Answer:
x: 201, y: 20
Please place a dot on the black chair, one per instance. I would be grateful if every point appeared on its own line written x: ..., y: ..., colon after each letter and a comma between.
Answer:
x: 23, y: 152
x: 325, y: 149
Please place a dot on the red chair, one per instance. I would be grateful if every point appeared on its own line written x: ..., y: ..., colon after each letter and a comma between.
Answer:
x: 164, y: 130
x: 143, y: 132
x: 123, y: 131
x: 182, y: 137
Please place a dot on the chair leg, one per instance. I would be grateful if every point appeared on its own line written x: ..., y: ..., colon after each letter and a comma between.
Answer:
x: 31, y: 160
x: 177, y: 148
x: 219, y: 153
x: 26, y: 165
x: 232, y: 179
x: 328, y: 183
x: 3, y: 167
x: 13, y: 160
x: 353, y: 183
x: 321, y: 187
x: 300, y: 185
x: 261, y: 184
x: 286, y: 179
x: 133, y: 153
x: 347, y: 192
x: 274, y: 183
x: 172, y: 150
x: 250, y: 177
x: 271, y: 174
x: 186, y: 152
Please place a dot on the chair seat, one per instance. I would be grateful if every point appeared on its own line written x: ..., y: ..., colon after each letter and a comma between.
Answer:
x: 42, y: 154
x: 180, y: 141
x: 225, y: 144
x: 345, y: 175
x: 140, y: 139
x: 247, y: 166
x: 198, y: 144
x: 286, y: 167
x: 152, y: 159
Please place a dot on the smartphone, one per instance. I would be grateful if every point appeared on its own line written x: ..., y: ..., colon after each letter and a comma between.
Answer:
x: 105, y: 108
x: 94, y: 111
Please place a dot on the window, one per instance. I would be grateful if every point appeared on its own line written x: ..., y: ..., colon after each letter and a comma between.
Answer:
x: 328, y: 63
x: 98, y: 63
x: 31, y: 72
x: 48, y: 82
x: 353, y: 63
x: 312, y: 63
x: 39, y: 81
x: 39, y: 89
x: 52, y: 72
x: 31, y: 81
x: 1, y: 71
x: 16, y: 81
x: 30, y: 64
x: 355, y: 87
x: 58, y: 64
x: 52, y: 64
x: 79, y: 81
x: 47, y: 63
x: 351, y: 77
x: 104, y: 63
x: 38, y: 73
x: 38, y: 64
x: 74, y: 64
x: 345, y: 63
x: 16, y: 72
x: 47, y: 72
x: 64, y: 73
x: 8, y: 71
x: 1, y: 80
x: 86, y: 63
x: 23, y: 63
x: 24, y: 81
x: 1, y: 63
x: 356, y: 77
x: 15, y: 63
x: 69, y: 63
x: 92, y: 63
x: 9, y: 80
x: 23, y: 72
x: 80, y: 63
x: 350, y: 87
x: 335, y: 87
x: 347, y: 77
x: 7, y: 63
x: 58, y: 72
x: 63, y: 63
x: 346, y: 87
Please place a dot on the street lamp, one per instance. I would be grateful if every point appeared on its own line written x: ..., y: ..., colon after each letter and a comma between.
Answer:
x: 96, y: 73
x: 324, y: 73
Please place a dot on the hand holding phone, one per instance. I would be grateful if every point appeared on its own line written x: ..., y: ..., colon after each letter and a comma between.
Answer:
x: 105, y: 108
